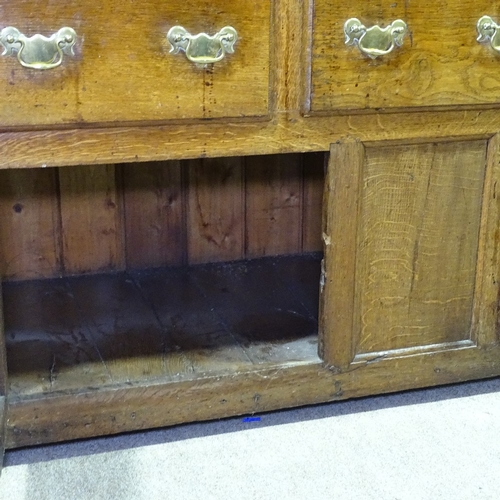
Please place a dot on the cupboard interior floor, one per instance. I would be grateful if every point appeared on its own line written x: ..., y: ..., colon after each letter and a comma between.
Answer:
x: 169, y: 324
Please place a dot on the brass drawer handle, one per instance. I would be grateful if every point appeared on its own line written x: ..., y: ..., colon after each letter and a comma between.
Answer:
x: 374, y: 41
x: 487, y: 29
x: 38, y: 51
x: 202, y: 48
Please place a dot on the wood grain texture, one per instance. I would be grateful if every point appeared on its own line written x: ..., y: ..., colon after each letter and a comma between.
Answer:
x: 274, y: 205
x: 90, y: 219
x: 340, y: 220
x: 115, y: 410
x: 421, y: 265
x: 312, y: 205
x: 29, y: 232
x: 417, y: 244
x: 215, y: 210
x: 123, y: 71
x: 124, y: 329
x: 154, y: 214
x: 145, y: 215
x: 53, y: 342
x: 142, y: 350
x: 439, y: 64
x: 290, y: 43
x: 216, y: 139
x: 485, y: 314
x: 196, y: 342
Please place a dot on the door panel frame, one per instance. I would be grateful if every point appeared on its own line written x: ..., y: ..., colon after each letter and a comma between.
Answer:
x: 341, y: 224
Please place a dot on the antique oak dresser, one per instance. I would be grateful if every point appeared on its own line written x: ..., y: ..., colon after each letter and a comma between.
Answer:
x: 212, y: 208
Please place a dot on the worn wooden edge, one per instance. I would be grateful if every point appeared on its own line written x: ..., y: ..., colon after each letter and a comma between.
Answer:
x: 89, y: 413
x: 340, y: 237
x: 3, y: 419
x: 346, y: 110
x: 426, y: 140
x: 289, y: 57
x: 485, y: 309
x: 370, y: 357
x: 39, y: 149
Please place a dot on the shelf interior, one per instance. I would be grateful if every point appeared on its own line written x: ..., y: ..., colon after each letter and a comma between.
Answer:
x: 83, y: 333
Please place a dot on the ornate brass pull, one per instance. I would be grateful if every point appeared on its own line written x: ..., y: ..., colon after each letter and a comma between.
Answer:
x: 38, y: 51
x: 375, y: 41
x: 488, y: 29
x: 202, y: 48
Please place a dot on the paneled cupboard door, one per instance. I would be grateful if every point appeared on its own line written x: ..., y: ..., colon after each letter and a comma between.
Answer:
x: 410, y: 276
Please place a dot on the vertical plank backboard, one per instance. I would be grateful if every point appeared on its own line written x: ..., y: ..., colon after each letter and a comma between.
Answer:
x: 273, y: 205
x: 90, y: 219
x: 215, y: 210
x: 29, y: 231
x: 155, y: 231
x: 314, y: 180
x: 340, y: 222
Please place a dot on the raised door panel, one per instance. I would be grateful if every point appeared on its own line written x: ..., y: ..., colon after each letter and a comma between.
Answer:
x: 122, y: 70
x: 440, y: 62
x: 417, y: 245
x: 411, y: 264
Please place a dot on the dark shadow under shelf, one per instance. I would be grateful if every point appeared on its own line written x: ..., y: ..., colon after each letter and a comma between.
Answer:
x: 172, y: 324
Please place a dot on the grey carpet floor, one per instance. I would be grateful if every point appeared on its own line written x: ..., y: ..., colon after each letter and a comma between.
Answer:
x: 440, y: 443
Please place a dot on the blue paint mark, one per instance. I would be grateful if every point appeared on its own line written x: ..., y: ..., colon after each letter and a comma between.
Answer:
x: 251, y: 419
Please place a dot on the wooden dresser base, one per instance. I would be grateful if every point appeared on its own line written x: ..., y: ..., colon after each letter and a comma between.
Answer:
x: 115, y: 410
x: 82, y: 336
x: 410, y: 282
x: 113, y: 353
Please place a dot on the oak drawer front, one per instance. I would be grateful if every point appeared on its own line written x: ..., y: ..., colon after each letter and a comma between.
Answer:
x: 122, y: 70
x: 440, y: 62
